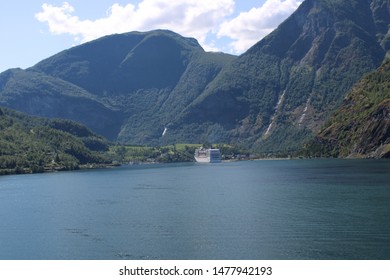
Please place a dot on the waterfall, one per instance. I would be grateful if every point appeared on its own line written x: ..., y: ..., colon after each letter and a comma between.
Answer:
x: 302, y: 118
x: 269, y: 128
x: 277, y: 109
x: 165, y: 131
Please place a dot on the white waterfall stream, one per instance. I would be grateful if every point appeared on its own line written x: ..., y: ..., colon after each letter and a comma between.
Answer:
x: 302, y: 118
x: 277, y: 109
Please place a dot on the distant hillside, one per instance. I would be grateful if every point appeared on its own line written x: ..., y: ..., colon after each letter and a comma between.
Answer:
x: 39, y: 94
x: 280, y: 92
x: 125, y: 86
x: 31, y: 144
x: 361, y: 127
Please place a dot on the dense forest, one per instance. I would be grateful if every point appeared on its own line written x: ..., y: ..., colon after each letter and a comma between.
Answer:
x: 31, y: 144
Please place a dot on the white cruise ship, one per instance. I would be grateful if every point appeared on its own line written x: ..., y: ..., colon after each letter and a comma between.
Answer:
x: 207, y: 155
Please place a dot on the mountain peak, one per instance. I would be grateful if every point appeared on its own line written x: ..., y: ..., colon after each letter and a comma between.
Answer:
x: 117, y: 80
x: 113, y: 63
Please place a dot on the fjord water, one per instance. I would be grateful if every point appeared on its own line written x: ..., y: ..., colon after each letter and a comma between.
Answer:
x: 282, y: 209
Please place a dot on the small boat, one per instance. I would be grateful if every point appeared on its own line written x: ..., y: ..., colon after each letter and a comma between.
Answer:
x: 207, y: 155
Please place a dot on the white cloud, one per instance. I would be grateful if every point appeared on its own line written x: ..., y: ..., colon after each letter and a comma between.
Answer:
x: 207, y: 21
x: 249, y: 27
x: 187, y: 17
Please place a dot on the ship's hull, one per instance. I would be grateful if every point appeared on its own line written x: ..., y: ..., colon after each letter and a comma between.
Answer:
x: 206, y: 160
x: 207, y: 155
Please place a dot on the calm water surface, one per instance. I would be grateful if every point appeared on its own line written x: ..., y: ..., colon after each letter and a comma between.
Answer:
x: 289, y: 209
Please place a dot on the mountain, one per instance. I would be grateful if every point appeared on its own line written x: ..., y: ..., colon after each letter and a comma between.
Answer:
x: 126, y: 87
x: 361, y: 126
x: 157, y: 88
x: 280, y: 92
x: 32, y: 144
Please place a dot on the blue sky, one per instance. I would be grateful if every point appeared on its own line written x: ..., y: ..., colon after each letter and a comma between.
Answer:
x: 36, y: 29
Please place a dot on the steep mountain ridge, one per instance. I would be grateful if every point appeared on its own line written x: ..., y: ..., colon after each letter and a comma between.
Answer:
x: 282, y: 90
x: 122, y: 63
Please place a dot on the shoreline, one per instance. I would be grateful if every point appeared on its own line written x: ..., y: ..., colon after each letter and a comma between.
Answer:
x: 92, y: 166
x: 47, y: 169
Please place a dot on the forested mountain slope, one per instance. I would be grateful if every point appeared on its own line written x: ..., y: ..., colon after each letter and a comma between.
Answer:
x: 361, y: 127
x: 281, y: 91
x: 32, y: 144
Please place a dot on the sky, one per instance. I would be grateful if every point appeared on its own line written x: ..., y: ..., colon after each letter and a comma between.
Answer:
x: 36, y: 29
